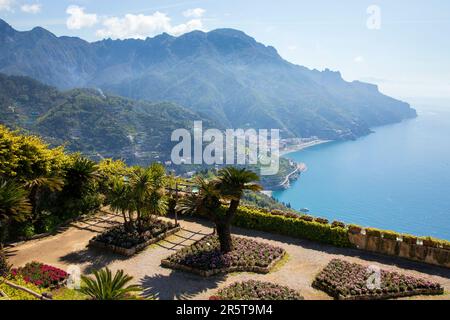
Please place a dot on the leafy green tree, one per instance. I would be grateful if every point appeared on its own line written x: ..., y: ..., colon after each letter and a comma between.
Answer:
x: 25, y: 157
x: 106, y: 287
x: 14, y: 205
x: 109, y: 170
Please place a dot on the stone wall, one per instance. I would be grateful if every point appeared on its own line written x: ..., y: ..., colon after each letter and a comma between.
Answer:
x: 412, y: 251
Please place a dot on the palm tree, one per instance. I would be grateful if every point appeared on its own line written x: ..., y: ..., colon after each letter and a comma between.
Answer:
x: 14, y: 204
x: 232, y: 184
x: 227, y: 188
x: 157, y: 200
x: 118, y: 197
x: 79, y: 176
x: 106, y: 287
x: 39, y: 184
x: 206, y: 202
x: 140, y: 185
x: 148, y: 192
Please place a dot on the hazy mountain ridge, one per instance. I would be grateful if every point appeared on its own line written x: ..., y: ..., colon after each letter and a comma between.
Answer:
x: 224, y: 75
x: 88, y: 121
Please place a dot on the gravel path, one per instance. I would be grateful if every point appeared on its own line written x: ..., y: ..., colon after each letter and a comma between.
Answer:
x: 305, y: 260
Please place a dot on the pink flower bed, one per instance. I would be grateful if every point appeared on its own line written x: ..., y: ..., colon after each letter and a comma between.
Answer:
x: 205, y: 254
x: 351, y: 281
x: 256, y: 290
x: 41, y: 275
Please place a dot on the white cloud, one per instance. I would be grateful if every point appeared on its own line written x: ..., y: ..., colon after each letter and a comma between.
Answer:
x: 359, y: 59
x: 195, y: 24
x: 78, y: 19
x: 142, y: 26
x: 31, y: 8
x: 194, y: 13
x: 6, y: 5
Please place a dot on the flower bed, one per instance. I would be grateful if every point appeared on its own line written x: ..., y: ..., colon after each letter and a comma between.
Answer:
x: 349, y: 281
x: 256, y: 290
x: 41, y: 275
x: 129, y: 241
x: 204, y: 257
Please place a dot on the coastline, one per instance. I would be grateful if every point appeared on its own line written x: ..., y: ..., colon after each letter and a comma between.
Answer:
x: 302, y: 146
x: 301, y: 167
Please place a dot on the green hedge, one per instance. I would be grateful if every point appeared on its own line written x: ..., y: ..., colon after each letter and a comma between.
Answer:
x: 298, y: 228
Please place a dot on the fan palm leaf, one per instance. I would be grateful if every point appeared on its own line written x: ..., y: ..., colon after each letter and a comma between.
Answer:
x: 106, y: 287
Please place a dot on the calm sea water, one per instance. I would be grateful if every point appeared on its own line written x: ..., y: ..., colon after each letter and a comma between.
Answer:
x: 397, y: 178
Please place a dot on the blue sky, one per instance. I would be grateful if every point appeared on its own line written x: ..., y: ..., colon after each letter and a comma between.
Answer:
x: 406, y: 50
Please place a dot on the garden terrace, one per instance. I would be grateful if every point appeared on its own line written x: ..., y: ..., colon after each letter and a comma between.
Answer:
x: 305, y: 260
x: 205, y: 258
x: 129, y: 241
x: 351, y: 281
x: 256, y: 290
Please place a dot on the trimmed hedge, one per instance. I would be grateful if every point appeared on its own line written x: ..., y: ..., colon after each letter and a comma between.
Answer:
x: 293, y: 227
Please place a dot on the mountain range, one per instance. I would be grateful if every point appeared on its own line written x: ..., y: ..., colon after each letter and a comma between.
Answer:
x: 88, y: 121
x: 224, y: 76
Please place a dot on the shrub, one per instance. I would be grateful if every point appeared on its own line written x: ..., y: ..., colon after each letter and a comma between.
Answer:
x: 41, y: 275
x: 4, y: 266
x: 345, y: 280
x: 321, y: 220
x: 277, y: 212
x: 16, y: 294
x: 306, y: 217
x: 298, y: 227
x: 26, y: 231
x: 256, y: 290
x: 391, y: 235
x: 338, y: 224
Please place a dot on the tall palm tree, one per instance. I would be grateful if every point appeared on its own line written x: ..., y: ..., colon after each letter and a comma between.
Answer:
x: 140, y: 185
x: 14, y: 204
x: 228, y: 188
x: 232, y: 184
x: 118, y: 197
x: 157, y: 199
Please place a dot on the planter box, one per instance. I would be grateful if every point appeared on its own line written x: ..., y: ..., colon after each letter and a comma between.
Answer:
x: 132, y: 251
x: 208, y: 273
x: 381, y: 296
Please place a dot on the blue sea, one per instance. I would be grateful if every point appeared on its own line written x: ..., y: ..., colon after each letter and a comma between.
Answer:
x: 397, y: 178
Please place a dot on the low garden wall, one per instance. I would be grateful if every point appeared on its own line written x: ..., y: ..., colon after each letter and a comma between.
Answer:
x: 427, y: 250
x: 424, y: 250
